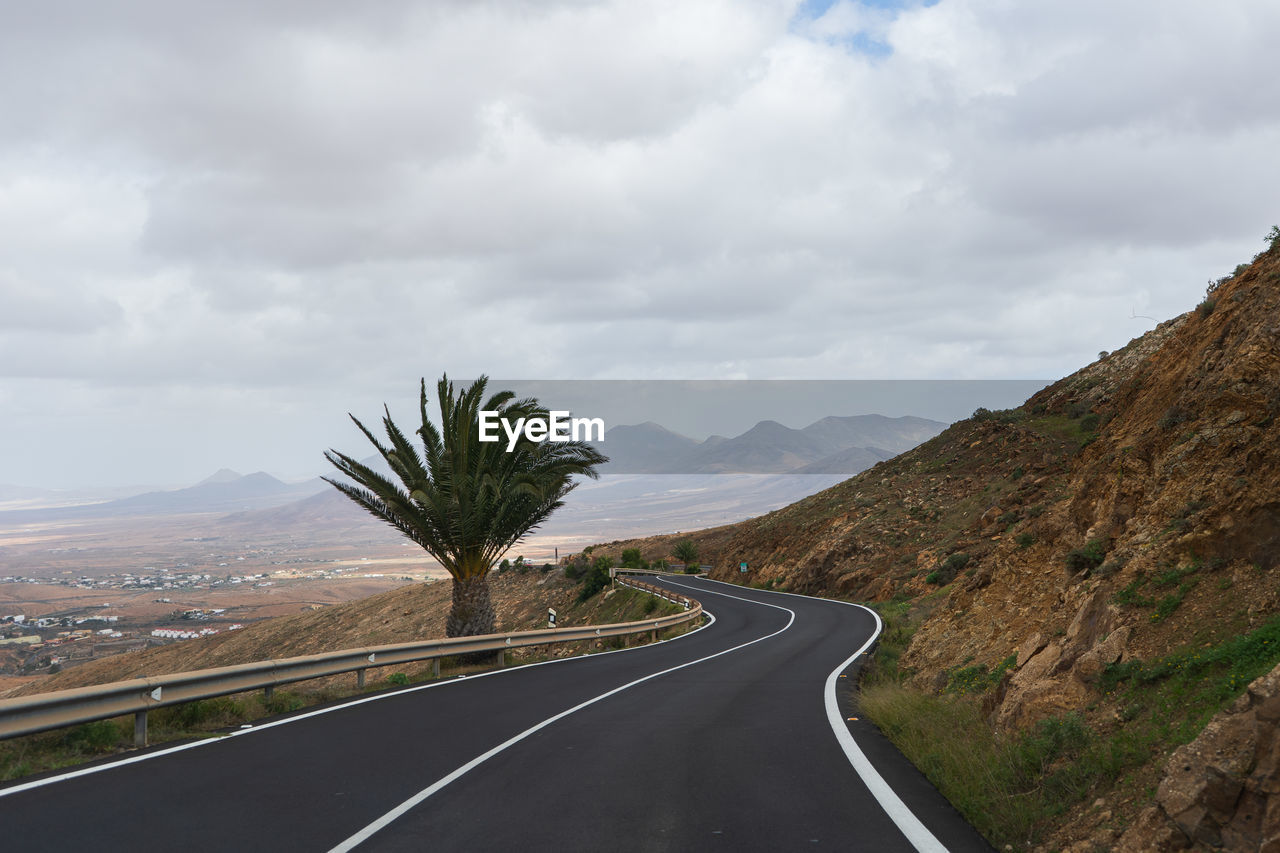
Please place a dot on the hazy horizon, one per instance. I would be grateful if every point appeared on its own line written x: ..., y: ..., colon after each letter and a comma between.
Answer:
x: 694, y: 409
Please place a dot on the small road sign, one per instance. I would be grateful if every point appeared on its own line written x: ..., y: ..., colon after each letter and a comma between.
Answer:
x: 551, y: 617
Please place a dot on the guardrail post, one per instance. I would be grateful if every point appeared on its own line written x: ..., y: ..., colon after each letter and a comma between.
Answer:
x: 268, y: 692
x: 360, y: 679
x: 435, y: 668
x: 654, y: 635
x: 502, y: 658
x: 140, y: 728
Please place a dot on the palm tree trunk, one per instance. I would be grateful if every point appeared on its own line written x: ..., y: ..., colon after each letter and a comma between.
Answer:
x: 472, y: 611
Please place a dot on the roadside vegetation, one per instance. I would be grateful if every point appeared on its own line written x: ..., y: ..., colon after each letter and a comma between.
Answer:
x: 1013, y: 785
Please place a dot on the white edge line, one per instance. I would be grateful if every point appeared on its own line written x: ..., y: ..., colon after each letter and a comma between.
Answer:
x: 147, y: 756
x: 898, y: 811
x: 397, y: 812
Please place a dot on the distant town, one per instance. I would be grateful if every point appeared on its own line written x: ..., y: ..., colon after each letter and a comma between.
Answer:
x: 87, y: 629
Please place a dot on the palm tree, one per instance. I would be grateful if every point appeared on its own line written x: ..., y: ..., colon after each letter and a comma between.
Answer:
x: 466, y: 502
x: 686, y: 551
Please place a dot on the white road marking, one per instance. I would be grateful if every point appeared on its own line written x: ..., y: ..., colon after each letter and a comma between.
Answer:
x: 391, y: 816
x: 248, y: 730
x: 915, y: 831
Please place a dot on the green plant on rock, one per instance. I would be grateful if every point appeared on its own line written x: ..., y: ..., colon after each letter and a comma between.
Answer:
x: 1088, y: 557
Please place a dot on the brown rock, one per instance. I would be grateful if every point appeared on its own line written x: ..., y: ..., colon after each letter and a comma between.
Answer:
x: 1038, y: 666
x: 1269, y: 832
x: 1222, y: 789
x: 1029, y: 647
x: 1041, y: 699
x: 1088, y: 666
x: 1113, y: 646
x: 1269, y: 710
x: 1152, y: 831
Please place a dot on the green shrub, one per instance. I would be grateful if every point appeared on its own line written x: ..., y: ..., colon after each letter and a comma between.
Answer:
x: 1087, y: 558
x: 1170, y: 603
x: 1025, y: 540
x: 947, y: 570
x: 596, y: 578
x: 1130, y: 596
x: 1004, y: 416
x: 398, y: 678
x: 978, y: 678
x: 631, y: 559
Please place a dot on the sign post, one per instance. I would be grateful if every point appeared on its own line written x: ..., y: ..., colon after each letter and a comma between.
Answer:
x: 551, y: 617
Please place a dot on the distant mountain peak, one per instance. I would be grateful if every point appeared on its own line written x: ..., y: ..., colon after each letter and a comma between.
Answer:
x: 223, y: 475
x: 646, y: 427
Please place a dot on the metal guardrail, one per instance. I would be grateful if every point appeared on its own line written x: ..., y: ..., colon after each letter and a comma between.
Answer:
x: 44, y: 711
x: 656, y: 590
x: 618, y: 572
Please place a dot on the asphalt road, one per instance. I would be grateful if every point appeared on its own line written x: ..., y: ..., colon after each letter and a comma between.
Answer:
x: 724, y: 739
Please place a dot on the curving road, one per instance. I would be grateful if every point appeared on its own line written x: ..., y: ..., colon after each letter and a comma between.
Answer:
x: 735, y: 737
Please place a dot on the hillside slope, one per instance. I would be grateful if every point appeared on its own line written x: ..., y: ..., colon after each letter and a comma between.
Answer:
x: 1125, y: 514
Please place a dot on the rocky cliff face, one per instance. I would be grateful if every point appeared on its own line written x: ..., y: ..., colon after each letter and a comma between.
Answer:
x: 1168, y: 518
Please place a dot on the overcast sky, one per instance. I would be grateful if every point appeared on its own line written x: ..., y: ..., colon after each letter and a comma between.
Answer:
x: 225, y: 225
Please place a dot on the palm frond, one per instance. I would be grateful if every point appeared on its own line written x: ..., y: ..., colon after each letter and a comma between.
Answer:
x: 465, y: 501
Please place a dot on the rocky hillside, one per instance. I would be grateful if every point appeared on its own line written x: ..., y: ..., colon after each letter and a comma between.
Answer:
x: 1126, y: 513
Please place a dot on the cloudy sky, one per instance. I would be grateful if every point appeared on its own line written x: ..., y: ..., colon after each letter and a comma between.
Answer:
x: 225, y: 225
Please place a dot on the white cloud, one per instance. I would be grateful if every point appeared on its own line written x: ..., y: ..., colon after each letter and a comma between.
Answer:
x: 318, y: 203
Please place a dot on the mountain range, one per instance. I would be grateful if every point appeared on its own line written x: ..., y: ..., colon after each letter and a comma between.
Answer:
x: 224, y: 491
x: 833, y: 445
